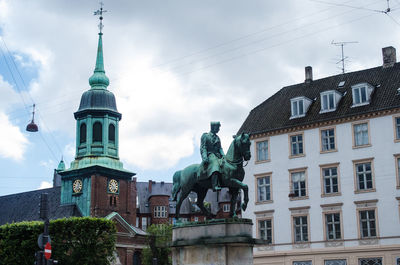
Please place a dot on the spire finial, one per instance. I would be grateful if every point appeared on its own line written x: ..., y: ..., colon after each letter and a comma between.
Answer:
x: 99, y: 13
x: 99, y: 79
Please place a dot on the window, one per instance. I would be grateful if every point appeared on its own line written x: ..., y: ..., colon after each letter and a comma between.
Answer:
x: 332, y: 225
x: 226, y: 208
x: 360, y: 134
x: 364, y: 175
x: 370, y: 261
x: 299, y: 184
x: 328, y: 101
x: 396, y: 129
x: 309, y: 262
x: 296, y: 145
x: 111, y: 133
x: 397, y: 261
x: 144, y: 223
x: 97, y: 132
x: 361, y: 94
x: 263, y: 188
x: 328, y: 140
x: 299, y: 106
x: 160, y: 212
x: 265, y: 230
x: 82, y: 133
x: 330, y: 180
x: 397, y: 161
x: 367, y: 223
x: 335, y: 262
x: 262, y: 151
x: 300, y: 229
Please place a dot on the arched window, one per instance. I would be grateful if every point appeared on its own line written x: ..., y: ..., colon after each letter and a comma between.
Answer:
x: 97, y: 132
x: 82, y: 133
x: 111, y: 133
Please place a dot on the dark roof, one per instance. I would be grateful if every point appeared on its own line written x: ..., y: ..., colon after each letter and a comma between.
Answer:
x: 25, y: 206
x: 97, y: 100
x: 274, y: 113
x: 165, y: 188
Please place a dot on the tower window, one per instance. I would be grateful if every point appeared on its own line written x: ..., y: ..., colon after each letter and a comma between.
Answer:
x: 97, y: 132
x: 111, y: 133
x: 82, y: 133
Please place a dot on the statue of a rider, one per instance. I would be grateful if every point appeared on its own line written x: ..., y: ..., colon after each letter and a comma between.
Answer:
x: 211, y: 153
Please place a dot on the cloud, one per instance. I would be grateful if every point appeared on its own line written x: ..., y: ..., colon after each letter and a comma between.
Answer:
x: 45, y: 185
x: 13, y: 143
x: 175, y: 67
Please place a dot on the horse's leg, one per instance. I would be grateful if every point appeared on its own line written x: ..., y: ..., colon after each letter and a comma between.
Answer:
x: 201, y: 194
x: 181, y: 197
x: 234, y: 194
x: 238, y: 184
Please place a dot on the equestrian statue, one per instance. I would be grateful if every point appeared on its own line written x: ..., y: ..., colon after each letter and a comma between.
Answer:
x: 216, y: 171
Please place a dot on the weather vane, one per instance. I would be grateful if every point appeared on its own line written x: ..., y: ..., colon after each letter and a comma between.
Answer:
x: 100, y: 12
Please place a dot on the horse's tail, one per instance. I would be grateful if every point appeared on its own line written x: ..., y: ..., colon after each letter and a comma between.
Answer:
x: 177, y: 184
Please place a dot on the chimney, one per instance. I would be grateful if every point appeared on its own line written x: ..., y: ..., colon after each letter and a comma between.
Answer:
x: 308, y: 74
x: 150, y: 184
x: 389, y: 56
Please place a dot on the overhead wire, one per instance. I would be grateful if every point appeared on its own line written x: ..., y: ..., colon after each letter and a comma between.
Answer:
x: 27, y: 92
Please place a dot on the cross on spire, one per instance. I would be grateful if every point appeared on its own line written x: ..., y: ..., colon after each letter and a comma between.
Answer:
x: 99, y: 13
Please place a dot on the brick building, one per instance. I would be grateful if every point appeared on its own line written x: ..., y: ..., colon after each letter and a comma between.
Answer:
x: 155, y: 205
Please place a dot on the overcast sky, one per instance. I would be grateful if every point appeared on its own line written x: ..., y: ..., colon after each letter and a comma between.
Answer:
x: 173, y: 66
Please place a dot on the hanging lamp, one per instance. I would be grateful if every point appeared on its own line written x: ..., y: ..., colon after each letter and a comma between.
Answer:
x: 32, y: 127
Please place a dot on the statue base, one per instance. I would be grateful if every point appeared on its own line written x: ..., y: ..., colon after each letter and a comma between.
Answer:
x: 217, y: 242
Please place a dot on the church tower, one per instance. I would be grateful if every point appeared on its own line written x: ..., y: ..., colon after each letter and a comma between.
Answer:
x: 96, y: 180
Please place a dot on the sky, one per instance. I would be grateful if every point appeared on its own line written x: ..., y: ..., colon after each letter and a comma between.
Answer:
x: 173, y: 66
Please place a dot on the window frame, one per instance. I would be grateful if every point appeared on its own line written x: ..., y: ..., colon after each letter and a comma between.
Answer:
x: 324, y: 214
x: 111, y: 134
x: 368, y: 92
x: 362, y: 209
x: 355, y: 174
x: 297, y: 100
x: 360, y: 259
x: 258, y: 176
x: 397, y: 168
x: 321, y: 130
x: 291, y: 190
x: 158, y: 211
x: 353, y: 125
x: 322, y: 178
x: 256, y: 142
x: 258, y: 220
x: 328, y: 93
x: 294, y: 230
x: 333, y: 259
x: 226, y: 207
x: 291, y: 155
x: 396, y: 139
x: 83, y: 137
x: 96, y: 131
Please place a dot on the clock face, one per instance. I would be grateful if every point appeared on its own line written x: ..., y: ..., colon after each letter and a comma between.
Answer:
x: 77, y: 186
x: 113, y: 186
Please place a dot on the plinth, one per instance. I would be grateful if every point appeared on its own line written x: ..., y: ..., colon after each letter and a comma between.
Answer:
x: 217, y: 242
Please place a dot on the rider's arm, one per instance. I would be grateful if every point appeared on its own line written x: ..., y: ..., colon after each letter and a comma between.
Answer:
x: 203, y: 148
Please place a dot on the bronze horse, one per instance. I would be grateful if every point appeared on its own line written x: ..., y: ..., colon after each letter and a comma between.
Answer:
x: 186, y: 180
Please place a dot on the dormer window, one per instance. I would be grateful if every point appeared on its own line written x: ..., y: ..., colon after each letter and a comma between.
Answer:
x: 361, y: 94
x: 299, y: 106
x: 329, y: 100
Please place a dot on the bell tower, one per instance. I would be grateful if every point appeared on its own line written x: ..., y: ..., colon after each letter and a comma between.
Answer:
x: 96, y: 180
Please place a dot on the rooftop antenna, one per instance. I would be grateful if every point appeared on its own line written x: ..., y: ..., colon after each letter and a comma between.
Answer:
x: 342, y: 45
x: 100, y: 12
x: 32, y: 127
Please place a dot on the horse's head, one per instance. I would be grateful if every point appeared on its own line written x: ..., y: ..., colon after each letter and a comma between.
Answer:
x: 242, y: 142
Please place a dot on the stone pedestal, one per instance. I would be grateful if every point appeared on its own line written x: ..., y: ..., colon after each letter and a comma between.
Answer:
x: 216, y: 242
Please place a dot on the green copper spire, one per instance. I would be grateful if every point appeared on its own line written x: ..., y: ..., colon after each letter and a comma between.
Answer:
x: 99, y: 79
